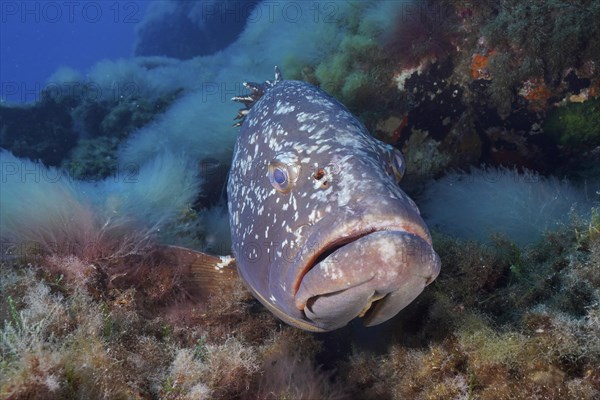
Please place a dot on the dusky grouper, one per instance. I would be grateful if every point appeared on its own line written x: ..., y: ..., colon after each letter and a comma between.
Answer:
x: 321, y: 231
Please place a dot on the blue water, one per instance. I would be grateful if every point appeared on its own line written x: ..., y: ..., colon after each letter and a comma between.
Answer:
x: 37, y: 37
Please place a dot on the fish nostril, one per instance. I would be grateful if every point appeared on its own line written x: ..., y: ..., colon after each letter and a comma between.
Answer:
x: 321, y: 177
x: 319, y: 174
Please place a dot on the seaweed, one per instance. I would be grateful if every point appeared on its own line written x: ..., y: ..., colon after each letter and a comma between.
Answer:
x: 575, y: 124
x: 539, y: 39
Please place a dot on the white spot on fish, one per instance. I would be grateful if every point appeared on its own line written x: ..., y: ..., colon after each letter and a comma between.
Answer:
x: 225, y: 261
x: 283, y: 109
x: 387, y: 249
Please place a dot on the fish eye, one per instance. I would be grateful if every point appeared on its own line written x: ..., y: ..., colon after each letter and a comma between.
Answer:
x: 398, y: 165
x: 279, y: 176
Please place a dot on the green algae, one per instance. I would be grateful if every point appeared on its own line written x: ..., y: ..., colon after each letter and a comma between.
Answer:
x: 575, y: 124
x: 93, y: 159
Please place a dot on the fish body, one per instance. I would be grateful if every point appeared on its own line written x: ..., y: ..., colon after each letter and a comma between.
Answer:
x: 321, y: 231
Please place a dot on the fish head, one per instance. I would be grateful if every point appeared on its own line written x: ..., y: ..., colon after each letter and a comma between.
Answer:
x: 321, y: 231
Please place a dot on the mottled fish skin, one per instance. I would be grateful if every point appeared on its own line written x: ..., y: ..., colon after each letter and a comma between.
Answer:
x: 343, y: 240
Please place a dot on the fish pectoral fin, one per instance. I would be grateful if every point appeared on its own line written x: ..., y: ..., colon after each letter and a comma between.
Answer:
x: 203, y: 274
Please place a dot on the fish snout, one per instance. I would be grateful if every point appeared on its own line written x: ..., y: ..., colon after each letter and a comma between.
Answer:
x: 373, y: 277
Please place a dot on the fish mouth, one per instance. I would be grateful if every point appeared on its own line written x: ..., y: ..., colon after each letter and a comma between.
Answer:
x: 371, y: 273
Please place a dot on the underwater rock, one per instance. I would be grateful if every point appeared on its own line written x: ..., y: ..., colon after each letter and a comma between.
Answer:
x: 92, y: 159
x: 435, y: 102
x: 185, y: 29
x: 514, y: 139
x: 42, y: 131
x: 424, y: 159
x: 103, y: 125
x: 356, y: 74
x: 77, y: 129
x: 479, y: 66
x: 575, y: 125
x: 423, y: 33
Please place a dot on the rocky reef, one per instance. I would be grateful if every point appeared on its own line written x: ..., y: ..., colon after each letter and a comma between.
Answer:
x: 77, y: 130
x: 475, y: 82
x: 499, y: 323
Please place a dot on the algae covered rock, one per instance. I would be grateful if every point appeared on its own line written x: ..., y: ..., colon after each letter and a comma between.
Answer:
x: 42, y: 131
x: 576, y: 124
x: 102, y: 125
x: 93, y: 159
